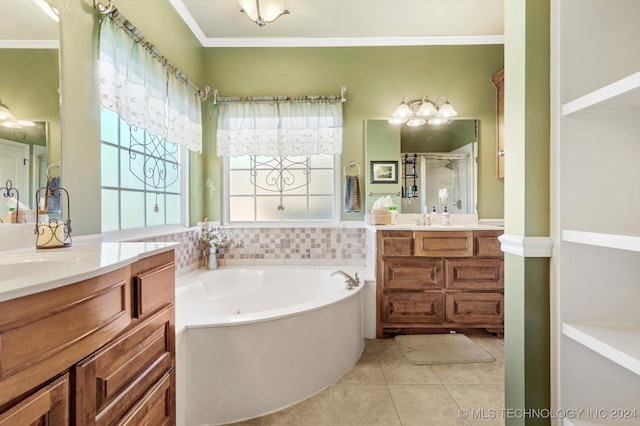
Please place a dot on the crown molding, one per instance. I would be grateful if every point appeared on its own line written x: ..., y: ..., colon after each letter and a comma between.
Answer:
x: 348, y: 41
x: 526, y: 246
x: 29, y: 44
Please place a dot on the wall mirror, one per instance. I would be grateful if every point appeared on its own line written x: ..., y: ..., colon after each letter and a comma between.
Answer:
x: 29, y: 88
x: 437, y: 165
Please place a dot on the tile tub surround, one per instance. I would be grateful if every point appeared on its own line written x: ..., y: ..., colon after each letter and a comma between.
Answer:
x: 294, y: 247
x: 386, y: 389
x: 188, y: 254
x: 275, y: 247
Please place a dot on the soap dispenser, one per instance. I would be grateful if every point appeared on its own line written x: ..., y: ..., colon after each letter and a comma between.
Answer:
x: 445, y: 217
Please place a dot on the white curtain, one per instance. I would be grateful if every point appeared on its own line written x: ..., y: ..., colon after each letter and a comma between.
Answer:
x: 277, y: 127
x: 144, y: 92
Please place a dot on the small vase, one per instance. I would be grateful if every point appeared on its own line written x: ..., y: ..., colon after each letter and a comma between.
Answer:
x: 212, y: 258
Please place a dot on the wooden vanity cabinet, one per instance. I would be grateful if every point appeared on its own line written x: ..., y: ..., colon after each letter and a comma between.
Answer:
x: 450, y: 280
x: 84, y: 354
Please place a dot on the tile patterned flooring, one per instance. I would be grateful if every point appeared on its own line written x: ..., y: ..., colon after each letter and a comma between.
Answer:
x: 387, y: 390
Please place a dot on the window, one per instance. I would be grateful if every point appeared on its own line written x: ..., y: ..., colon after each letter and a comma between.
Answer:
x: 291, y: 189
x: 281, y: 159
x: 142, y: 177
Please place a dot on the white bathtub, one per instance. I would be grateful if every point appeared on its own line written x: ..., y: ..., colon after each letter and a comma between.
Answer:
x: 254, y: 341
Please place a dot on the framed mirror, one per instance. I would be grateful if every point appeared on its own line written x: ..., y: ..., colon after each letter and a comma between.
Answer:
x: 29, y: 90
x: 437, y: 165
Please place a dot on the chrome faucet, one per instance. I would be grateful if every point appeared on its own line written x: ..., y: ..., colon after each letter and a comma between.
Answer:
x: 424, y: 220
x: 351, y: 282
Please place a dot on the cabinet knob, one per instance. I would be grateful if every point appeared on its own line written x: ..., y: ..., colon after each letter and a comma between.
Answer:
x: 501, y: 153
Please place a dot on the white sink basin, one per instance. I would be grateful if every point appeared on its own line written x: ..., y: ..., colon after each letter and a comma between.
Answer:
x: 20, y: 264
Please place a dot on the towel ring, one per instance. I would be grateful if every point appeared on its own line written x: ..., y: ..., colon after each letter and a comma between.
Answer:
x: 350, y: 165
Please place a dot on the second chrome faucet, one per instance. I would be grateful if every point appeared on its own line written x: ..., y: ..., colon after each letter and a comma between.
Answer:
x: 350, y: 282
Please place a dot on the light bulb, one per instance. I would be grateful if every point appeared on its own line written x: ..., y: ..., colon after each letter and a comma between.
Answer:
x: 415, y: 122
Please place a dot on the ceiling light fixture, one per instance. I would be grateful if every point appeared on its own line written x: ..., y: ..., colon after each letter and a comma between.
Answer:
x: 415, y: 113
x: 263, y: 12
x: 8, y: 120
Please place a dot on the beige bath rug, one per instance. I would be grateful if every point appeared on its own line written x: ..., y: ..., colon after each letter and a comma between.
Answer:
x: 441, y: 349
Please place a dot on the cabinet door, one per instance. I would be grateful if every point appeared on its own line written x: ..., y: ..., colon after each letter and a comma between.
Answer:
x: 444, y: 243
x: 47, y: 407
x: 111, y: 381
x: 414, y: 308
x: 412, y: 274
x: 479, y: 309
x: 474, y: 274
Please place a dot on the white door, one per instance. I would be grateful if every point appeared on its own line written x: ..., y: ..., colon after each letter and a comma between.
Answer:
x: 14, y: 166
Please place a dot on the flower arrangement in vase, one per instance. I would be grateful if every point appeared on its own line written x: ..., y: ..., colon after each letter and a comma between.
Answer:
x: 213, y: 238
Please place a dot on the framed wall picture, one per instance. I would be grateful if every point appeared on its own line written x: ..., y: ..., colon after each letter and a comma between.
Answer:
x: 384, y: 172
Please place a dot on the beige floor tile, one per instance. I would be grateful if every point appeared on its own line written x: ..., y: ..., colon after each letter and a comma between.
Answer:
x: 312, y: 411
x: 473, y: 374
x: 482, y: 402
x: 369, y: 405
x: 426, y: 405
x: 490, y: 344
x: 369, y: 348
x: 367, y: 371
x: 387, y: 347
x: 399, y: 371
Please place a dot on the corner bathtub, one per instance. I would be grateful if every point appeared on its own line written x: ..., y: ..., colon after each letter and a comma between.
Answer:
x: 254, y: 341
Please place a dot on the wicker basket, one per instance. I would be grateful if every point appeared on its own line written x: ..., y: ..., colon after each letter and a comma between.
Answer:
x: 380, y: 216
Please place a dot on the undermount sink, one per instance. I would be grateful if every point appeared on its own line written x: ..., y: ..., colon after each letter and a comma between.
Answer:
x: 19, y: 264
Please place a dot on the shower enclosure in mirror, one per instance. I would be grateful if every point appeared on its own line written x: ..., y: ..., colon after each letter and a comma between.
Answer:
x: 443, y: 180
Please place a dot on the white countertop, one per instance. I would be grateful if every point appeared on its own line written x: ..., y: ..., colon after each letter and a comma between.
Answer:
x: 29, y: 271
x: 436, y: 227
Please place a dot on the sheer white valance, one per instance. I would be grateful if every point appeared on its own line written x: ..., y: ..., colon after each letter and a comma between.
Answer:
x: 278, y: 127
x: 138, y: 84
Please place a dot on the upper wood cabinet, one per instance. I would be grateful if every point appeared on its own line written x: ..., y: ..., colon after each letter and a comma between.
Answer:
x: 498, y: 82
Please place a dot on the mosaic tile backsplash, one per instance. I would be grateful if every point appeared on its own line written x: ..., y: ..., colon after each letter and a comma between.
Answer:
x: 276, y: 247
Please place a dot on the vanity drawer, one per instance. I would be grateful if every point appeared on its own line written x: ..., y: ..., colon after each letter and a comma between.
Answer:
x: 412, y: 274
x: 156, y: 407
x: 487, y: 243
x: 68, y: 323
x: 474, y: 274
x: 49, y: 406
x: 418, y: 308
x: 444, y: 243
x: 480, y: 309
x: 395, y: 243
x: 153, y: 289
x: 113, y: 379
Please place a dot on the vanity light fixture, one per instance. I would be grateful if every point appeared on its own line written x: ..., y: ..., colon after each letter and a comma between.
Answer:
x: 263, y: 12
x: 8, y: 120
x: 415, y: 113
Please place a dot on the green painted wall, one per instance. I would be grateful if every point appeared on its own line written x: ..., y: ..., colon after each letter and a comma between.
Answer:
x: 376, y: 79
x: 444, y: 138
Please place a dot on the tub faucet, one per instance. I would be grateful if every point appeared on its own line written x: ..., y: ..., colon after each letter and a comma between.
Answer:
x: 351, y: 282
